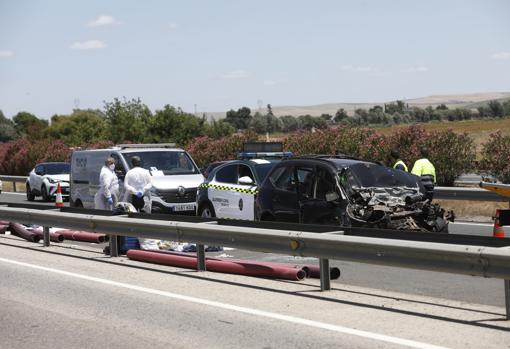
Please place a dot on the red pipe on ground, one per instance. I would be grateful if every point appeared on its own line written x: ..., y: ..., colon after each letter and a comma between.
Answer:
x: 221, y: 266
x: 312, y: 271
x: 22, y: 232
x: 54, y: 236
x: 4, y: 228
x: 84, y: 236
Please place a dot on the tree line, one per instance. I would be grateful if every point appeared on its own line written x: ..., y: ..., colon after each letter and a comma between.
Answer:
x: 119, y: 121
x: 386, y: 115
x: 123, y: 120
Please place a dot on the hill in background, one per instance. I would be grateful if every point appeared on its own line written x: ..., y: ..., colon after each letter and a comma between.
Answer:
x: 470, y: 101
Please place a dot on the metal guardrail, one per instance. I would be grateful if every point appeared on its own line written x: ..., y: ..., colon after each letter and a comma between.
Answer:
x: 465, y: 260
x: 474, y: 194
x: 14, y: 180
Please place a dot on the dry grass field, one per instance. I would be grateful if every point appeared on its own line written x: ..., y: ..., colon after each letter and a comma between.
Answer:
x: 8, y: 187
x: 473, y: 211
x: 479, y: 130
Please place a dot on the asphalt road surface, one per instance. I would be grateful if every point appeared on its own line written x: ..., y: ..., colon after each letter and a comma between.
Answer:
x: 67, y: 297
x: 391, y: 279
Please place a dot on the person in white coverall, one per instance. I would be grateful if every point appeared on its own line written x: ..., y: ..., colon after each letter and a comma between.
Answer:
x: 108, y: 193
x: 137, y: 185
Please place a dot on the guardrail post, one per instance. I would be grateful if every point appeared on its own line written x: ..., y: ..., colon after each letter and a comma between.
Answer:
x: 46, y: 236
x: 325, y: 276
x: 14, y: 186
x: 507, y: 298
x: 201, y: 266
x: 114, y: 246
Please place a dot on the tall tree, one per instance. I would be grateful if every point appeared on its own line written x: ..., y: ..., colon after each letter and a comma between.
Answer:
x: 289, y: 123
x: 7, y: 131
x: 27, y: 125
x: 496, y: 109
x: 240, y: 119
x: 127, y: 120
x: 81, y: 127
x: 340, y: 115
x: 173, y: 125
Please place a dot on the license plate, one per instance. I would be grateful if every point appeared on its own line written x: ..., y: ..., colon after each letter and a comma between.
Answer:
x: 187, y: 207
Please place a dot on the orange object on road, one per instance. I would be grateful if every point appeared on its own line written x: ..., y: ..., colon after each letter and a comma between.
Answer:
x: 497, y: 231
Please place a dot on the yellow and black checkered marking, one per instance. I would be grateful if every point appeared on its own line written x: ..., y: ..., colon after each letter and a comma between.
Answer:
x: 226, y: 187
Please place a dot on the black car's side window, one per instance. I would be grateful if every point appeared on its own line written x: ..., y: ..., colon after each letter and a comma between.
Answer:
x: 325, y: 183
x: 283, y: 178
x: 305, y: 178
x: 227, y: 174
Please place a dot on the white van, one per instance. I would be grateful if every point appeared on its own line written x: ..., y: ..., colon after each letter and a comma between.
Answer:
x: 175, y: 176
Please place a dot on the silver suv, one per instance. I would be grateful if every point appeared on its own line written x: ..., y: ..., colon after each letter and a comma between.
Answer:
x: 44, y: 178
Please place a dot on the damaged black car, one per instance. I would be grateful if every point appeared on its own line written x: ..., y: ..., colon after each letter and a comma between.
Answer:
x: 348, y: 192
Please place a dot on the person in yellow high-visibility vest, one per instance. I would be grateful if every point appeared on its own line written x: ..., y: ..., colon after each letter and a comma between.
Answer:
x: 426, y: 171
x: 399, y: 163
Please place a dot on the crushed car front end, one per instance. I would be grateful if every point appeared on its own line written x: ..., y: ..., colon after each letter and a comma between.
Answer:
x: 382, y: 197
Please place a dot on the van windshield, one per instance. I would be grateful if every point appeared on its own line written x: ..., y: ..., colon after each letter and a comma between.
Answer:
x: 169, y: 162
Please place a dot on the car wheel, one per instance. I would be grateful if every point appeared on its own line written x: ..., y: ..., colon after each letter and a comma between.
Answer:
x: 207, y: 211
x: 44, y: 193
x: 30, y: 195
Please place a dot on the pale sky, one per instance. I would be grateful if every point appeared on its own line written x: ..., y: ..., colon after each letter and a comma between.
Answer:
x: 221, y: 54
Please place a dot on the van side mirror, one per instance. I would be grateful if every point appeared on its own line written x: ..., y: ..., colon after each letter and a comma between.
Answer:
x: 39, y: 173
x: 245, y: 180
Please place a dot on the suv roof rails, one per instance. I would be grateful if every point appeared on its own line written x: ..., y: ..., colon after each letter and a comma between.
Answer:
x: 264, y: 155
x: 337, y: 156
x: 148, y: 145
x: 327, y: 156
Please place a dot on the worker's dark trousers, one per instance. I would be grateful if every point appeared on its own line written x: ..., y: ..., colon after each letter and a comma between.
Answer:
x: 428, y: 184
x: 137, y: 202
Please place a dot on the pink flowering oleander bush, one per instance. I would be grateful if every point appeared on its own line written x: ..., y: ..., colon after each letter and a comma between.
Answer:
x: 452, y: 154
x: 357, y: 142
x: 205, y: 150
x: 97, y: 145
x: 496, y: 156
x: 20, y: 156
x: 408, y: 141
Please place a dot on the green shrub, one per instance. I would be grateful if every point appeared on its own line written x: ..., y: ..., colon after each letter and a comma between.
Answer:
x: 496, y: 156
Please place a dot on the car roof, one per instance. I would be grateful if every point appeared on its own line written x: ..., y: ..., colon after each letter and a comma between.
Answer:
x: 253, y: 162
